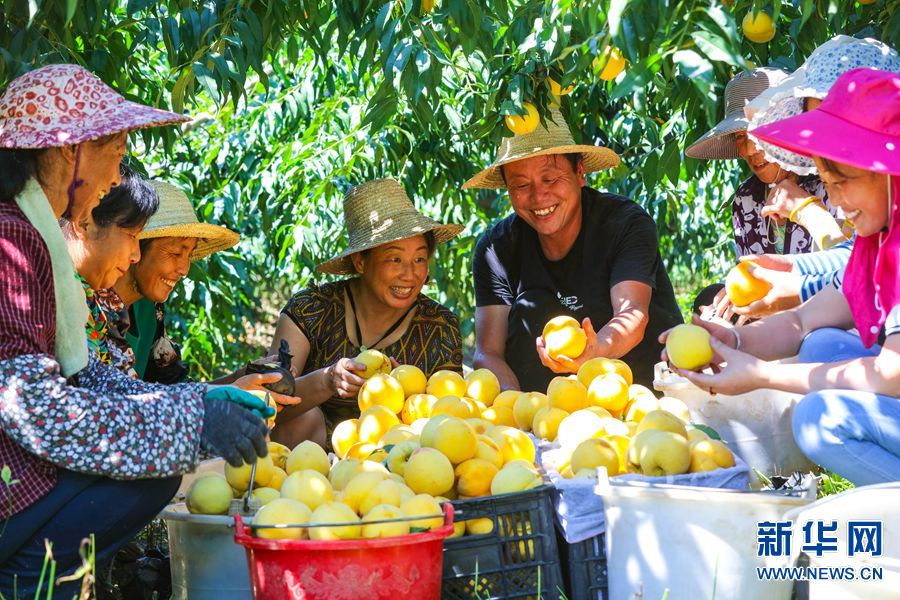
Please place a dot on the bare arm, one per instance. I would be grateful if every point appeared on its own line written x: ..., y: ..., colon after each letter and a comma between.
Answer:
x: 624, y: 331
x: 320, y: 385
x: 491, y: 323
x: 780, y: 336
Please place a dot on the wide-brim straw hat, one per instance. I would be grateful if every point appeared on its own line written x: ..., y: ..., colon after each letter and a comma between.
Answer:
x: 813, y: 79
x: 378, y: 212
x: 176, y: 218
x: 719, y: 142
x: 555, y: 138
x: 59, y: 105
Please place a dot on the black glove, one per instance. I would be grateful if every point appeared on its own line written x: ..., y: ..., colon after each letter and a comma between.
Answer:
x: 232, y: 432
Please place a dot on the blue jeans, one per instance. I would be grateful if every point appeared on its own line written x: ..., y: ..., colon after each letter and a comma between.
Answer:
x: 79, y: 505
x: 854, y: 434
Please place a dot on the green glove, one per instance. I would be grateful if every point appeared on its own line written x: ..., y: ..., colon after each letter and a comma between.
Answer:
x: 242, y: 398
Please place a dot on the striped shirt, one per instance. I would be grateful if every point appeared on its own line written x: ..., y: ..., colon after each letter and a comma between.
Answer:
x: 819, y: 268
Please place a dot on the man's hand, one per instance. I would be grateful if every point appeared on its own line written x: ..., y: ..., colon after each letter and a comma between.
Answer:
x: 566, y: 364
x: 785, y: 293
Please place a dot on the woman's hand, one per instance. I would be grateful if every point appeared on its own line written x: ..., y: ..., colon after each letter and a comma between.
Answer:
x: 784, y: 294
x: 724, y: 333
x: 734, y: 372
x: 722, y: 310
x: 343, y: 377
x: 565, y: 364
x: 783, y: 199
x: 257, y: 381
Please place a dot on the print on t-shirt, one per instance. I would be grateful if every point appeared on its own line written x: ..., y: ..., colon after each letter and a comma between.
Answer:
x: 570, y: 302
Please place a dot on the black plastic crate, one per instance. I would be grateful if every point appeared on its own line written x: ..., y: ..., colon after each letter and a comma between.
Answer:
x: 519, y: 558
x: 585, y: 568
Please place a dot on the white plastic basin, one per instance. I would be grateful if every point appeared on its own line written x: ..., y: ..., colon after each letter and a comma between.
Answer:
x: 688, y: 543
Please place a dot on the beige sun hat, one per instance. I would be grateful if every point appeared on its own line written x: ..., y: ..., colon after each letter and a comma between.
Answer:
x: 719, y: 142
x: 176, y: 218
x: 555, y: 138
x: 378, y: 212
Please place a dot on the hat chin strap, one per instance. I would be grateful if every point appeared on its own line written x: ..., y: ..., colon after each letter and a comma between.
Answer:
x: 76, y: 183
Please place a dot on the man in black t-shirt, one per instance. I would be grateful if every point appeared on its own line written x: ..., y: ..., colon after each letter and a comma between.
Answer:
x: 567, y: 250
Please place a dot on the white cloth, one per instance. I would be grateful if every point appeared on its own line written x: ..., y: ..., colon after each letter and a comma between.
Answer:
x: 580, y: 511
x: 71, y: 349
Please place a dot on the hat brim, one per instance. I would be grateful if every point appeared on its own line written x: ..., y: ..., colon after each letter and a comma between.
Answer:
x: 125, y: 116
x: 210, y: 238
x: 718, y: 143
x: 596, y: 158
x: 343, y: 264
x: 820, y: 133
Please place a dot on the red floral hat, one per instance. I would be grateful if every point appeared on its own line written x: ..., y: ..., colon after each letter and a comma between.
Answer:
x: 58, y: 105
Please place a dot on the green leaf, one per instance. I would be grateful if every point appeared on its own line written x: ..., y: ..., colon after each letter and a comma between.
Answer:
x: 71, y: 5
x: 5, y: 474
x: 712, y: 433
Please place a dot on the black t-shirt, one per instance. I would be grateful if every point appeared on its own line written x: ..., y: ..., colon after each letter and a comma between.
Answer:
x: 617, y: 242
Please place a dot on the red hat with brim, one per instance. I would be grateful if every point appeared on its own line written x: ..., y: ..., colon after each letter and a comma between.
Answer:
x: 858, y: 123
x: 59, y: 105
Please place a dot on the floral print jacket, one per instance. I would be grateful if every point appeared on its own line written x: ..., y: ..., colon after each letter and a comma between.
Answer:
x: 106, y: 424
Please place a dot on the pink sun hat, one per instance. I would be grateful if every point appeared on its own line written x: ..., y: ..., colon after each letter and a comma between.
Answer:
x: 63, y: 104
x: 858, y: 123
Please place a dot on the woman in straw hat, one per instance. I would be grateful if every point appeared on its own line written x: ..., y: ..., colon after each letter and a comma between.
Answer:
x: 87, y: 453
x: 171, y: 241
x: 379, y: 307
x: 848, y: 419
x: 567, y: 250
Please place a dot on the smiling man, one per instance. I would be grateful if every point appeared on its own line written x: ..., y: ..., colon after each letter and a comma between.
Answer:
x: 567, y: 250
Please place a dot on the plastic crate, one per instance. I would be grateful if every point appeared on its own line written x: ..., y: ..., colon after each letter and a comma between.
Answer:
x: 519, y: 558
x: 585, y: 568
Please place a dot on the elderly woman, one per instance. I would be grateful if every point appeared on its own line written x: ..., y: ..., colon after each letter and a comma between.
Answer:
x: 103, y: 247
x: 90, y: 450
x: 118, y: 257
x: 381, y: 307
x: 172, y: 239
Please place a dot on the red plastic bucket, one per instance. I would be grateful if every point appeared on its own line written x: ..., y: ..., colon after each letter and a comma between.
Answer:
x: 405, y: 567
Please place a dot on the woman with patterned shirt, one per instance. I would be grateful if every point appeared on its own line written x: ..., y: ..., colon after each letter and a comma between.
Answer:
x: 381, y: 307
x: 103, y: 247
x: 90, y: 450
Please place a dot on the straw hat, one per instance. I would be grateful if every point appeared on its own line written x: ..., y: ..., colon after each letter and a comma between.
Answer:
x: 58, y: 105
x: 555, y: 138
x: 378, y: 212
x: 718, y: 143
x: 176, y: 218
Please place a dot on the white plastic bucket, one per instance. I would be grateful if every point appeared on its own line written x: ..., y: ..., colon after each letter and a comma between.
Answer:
x: 867, y: 503
x: 689, y: 543
x: 206, y: 562
x: 756, y: 425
